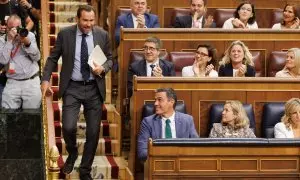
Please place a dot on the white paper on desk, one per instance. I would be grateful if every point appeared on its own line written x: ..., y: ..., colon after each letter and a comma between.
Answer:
x: 97, y: 56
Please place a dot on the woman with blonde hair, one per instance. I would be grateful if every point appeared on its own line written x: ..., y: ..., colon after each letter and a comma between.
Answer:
x: 234, y: 124
x: 289, y: 127
x: 292, y: 64
x: 237, y: 61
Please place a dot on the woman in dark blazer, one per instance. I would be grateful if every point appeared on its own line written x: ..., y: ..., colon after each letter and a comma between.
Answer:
x: 237, y: 61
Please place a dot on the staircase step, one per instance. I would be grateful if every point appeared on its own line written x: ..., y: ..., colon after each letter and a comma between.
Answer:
x: 106, y: 146
x: 107, y: 112
x: 66, y: 6
x: 106, y: 130
x: 62, y: 17
x: 107, y: 167
x: 57, y: 109
x: 54, y: 28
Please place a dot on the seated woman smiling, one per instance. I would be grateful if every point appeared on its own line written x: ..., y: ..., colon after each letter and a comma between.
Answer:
x: 289, y: 127
x: 234, y: 124
x: 205, y: 59
x: 244, y: 17
x: 290, y: 17
x: 237, y: 61
x: 292, y: 64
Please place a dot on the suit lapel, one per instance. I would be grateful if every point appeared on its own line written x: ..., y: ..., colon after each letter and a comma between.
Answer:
x: 157, y: 126
x: 143, y: 68
x: 178, y: 126
x: 147, y: 20
x: 95, y: 38
x: 72, y: 41
x: 189, y: 21
x: 129, y: 21
x: 203, y: 22
x: 163, y: 67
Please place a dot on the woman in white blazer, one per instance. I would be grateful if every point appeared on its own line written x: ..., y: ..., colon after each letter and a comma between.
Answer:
x: 289, y: 127
x: 204, y: 64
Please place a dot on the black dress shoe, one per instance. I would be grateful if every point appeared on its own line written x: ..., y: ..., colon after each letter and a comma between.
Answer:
x: 69, y: 164
x: 86, y: 177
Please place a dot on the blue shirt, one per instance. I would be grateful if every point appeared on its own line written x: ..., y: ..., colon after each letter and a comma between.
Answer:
x: 76, y: 74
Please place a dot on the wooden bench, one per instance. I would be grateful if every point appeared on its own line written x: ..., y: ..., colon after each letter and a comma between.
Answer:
x: 262, y: 40
x: 223, y: 158
x: 199, y: 93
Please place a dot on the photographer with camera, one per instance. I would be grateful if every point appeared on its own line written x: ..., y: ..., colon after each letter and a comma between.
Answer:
x: 20, y: 55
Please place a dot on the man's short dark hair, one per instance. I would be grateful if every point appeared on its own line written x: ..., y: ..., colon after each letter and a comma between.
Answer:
x: 171, y: 94
x: 155, y: 40
x: 85, y: 7
x: 204, y: 2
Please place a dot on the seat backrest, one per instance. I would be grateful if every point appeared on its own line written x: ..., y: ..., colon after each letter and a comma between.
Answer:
x: 124, y: 10
x: 276, y: 62
x: 215, y: 115
x: 176, y: 12
x: 276, y: 17
x: 272, y: 113
x: 149, y: 109
x: 138, y: 55
x: 259, y: 63
x: 221, y: 15
x: 181, y: 59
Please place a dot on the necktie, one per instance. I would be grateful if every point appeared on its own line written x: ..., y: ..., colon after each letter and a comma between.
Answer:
x: 168, y: 132
x: 152, y: 67
x: 84, y: 56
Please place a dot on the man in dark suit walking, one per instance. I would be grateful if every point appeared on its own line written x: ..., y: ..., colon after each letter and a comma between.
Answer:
x: 151, y: 65
x: 197, y: 18
x: 80, y: 84
x: 165, y: 123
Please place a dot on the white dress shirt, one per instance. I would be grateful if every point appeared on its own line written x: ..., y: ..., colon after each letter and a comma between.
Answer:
x: 172, y: 124
x: 199, y: 22
x: 135, y: 23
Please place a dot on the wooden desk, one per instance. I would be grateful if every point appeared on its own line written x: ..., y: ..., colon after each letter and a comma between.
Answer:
x: 199, y: 93
x: 223, y: 159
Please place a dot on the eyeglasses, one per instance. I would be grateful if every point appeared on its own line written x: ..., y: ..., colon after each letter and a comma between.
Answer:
x: 246, y: 9
x: 202, y: 54
x: 146, y: 48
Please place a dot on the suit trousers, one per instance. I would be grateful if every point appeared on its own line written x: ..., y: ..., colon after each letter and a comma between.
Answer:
x: 88, y: 95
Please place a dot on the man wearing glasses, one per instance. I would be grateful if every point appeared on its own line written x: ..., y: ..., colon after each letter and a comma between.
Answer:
x: 151, y: 65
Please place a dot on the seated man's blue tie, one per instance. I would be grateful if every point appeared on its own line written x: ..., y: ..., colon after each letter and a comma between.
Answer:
x: 84, y: 56
x: 168, y: 132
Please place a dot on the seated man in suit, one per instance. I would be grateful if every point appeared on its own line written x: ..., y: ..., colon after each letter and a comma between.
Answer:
x: 165, y: 123
x: 196, y: 19
x: 138, y: 18
x: 151, y: 65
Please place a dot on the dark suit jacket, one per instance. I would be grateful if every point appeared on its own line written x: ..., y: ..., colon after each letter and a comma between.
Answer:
x: 186, y: 22
x: 139, y: 68
x: 227, y: 70
x: 151, y: 127
x: 65, y: 47
x: 126, y: 21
